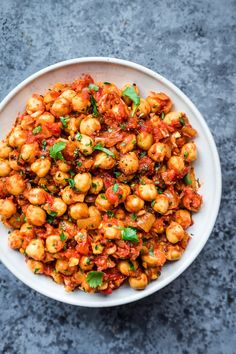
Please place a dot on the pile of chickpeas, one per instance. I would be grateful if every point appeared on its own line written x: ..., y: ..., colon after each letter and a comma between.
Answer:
x: 96, y: 181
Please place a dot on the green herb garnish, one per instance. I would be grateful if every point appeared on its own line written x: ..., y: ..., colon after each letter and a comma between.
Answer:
x: 162, y: 115
x: 151, y: 251
x: 102, y: 148
x: 93, y: 87
x: 187, y: 179
x: 79, y: 163
x: 131, y: 266
x: 182, y: 121
x: 55, y: 150
x: 132, y: 94
x: 115, y: 187
x: 94, y: 279
x: 71, y: 182
x: 94, y: 105
x: 134, y: 216
x: 64, y: 122
x: 110, y: 213
x: 78, y: 137
x: 62, y: 236
x: 37, y: 130
x: 36, y: 270
x: 117, y: 173
x: 129, y: 234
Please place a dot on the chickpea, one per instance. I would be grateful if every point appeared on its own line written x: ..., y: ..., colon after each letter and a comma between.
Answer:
x: 189, y: 152
x: 158, y: 258
x: 83, y: 182
x: 139, y: 282
x: 173, y: 117
x: 17, y: 137
x: 35, y: 266
x: 58, y: 206
x: 73, y: 125
x: 159, y: 102
x: 5, y: 150
x: 63, y: 267
x: 89, y: 125
x: 28, y: 152
x: 60, y: 178
x: 79, y: 211
x: 92, y: 222
x: 68, y: 94
x: 63, y: 166
x: 27, y: 230
x: 104, y: 161
x: 161, y: 204
x: 97, y: 248
x: 35, y: 249
x: 85, y: 144
x: 174, y: 232
x: 50, y: 97
x: 35, y: 215
x: 86, y: 263
x: 125, y: 267
x: 96, y: 185
x: 133, y: 203
x: 13, y: 160
x: 35, y: 105
x: 183, y: 217
x: 143, y: 108
x: 174, y: 253
x: 112, y: 232
x: 144, y: 140
x: 60, y: 107
x: 7, y: 208
x: 159, y: 151
x: 36, y: 196
x: 127, y: 144
x: 15, y: 240
x: 128, y: 163
x: 5, y: 168
x: 176, y: 163
x: 80, y: 103
x: 102, y: 202
x: 147, y: 192
x: 120, y: 214
x: 41, y: 167
x: 70, y: 197
x: 46, y: 117
x: 54, y: 243
x: 15, y: 184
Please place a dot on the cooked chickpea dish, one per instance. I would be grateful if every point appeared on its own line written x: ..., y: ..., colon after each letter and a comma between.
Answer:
x: 97, y: 184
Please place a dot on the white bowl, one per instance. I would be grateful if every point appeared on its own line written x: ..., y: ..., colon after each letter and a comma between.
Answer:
x: 207, y: 170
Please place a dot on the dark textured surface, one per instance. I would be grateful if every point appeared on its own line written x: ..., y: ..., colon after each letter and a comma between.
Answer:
x: 193, y: 44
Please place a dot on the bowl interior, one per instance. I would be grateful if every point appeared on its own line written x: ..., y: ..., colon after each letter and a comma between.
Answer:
x: 207, y: 170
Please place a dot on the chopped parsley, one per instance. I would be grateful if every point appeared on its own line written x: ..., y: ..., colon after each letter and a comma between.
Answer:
x: 94, y: 105
x: 62, y: 236
x: 151, y: 251
x: 102, y: 148
x: 186, y: 154
x: 115, y: 187
x: 94, y: 279
x: 162, y: 115
x: 110, y: 213
x: 182, y: 121
x: 36, y: 270
x: 187, y: 179
x: 78, y: 137
x: 117, y: 173
x: 79, y: 163
x: 153, y: 203
x: 71, y: 182
x: 51, y: 216
x: 129, y: 234
x: 55, y: 150
x: 64, y: 122
x: 106, y: 83
x: 134, y: 216
x: 131, y: 266
x: 44, y: 145
x: 37, y: 130
x: 132, y: 94
x: 93, y: 87
x: 142, y: 154
x: 103, y: 196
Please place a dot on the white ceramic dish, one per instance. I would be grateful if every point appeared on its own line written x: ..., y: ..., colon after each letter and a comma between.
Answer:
x: 207, y: 169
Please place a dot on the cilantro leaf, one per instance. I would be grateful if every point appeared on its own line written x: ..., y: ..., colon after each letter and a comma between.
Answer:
x: 71, y: 182
x: 64, y: 122
x: 115, y: 187
x: 78, y: 136
x: 134, y: 216
x: 117, y: 173
x: 55, y: 150
x: 94, y: 105
x: 187, y: 179
x: 37, y: 130
x: 151, y: 251
x: 93, y: 87
x: 62, y: 236
x: 44, y: 145
x: 182, y: 121
x: 162, y: 115
x: 110, y: 213
x: 132, y: 94
x: 102, y: 148
x: 94, y: 279
x: 129, y: 234
x: 50, y: 216
x: 36, y: 270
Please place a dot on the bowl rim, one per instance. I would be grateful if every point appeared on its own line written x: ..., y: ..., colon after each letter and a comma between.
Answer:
x: 148, y: 291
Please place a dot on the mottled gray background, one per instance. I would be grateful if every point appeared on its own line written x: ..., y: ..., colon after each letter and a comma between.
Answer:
x: 193, y: 44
